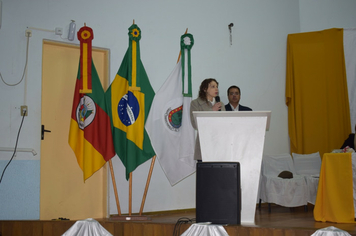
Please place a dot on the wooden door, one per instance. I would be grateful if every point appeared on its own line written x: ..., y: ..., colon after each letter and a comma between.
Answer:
x: 63, y: 192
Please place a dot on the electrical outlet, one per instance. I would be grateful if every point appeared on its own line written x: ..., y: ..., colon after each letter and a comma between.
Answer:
x: 24, y: 110
x: 58, y: 31
x: 28, y: 33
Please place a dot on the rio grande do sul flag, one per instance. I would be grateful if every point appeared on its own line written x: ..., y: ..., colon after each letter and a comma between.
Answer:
x: 129, y: 99
x: 168, y: 124
x: 90, y: 131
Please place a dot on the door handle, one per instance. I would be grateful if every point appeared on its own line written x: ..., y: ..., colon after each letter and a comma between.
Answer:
x: 43, y: 130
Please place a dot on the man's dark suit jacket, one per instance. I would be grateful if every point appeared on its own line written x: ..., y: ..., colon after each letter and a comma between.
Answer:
x: 241, y: 108
x: 349, y: 142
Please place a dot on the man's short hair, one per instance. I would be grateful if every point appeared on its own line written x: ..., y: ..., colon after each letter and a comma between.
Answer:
x: 233, y: 86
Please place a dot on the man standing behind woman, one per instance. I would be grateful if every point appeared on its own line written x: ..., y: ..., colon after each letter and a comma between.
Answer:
x: 234, y: 95
x: 205, y: 102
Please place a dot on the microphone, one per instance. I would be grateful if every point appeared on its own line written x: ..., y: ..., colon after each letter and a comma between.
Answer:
x: 217, y: 99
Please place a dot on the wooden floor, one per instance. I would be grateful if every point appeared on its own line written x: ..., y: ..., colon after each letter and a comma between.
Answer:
x: 296, y: 219
x: 280, y: 222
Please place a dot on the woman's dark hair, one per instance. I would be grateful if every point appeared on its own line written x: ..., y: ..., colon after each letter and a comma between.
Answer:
x: 204, y: 86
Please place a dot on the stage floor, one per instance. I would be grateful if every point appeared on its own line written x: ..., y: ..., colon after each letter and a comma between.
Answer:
x: 298, y: 218
x: 281, y: 221
x: 286, y: 221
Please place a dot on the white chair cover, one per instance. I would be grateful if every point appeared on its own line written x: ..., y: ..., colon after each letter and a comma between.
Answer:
x: 308, y: 165
x: 205, y: 229
x: 88, y: 227
x: 312, y: 184
x: 330, y: 231
x: 284, y: 192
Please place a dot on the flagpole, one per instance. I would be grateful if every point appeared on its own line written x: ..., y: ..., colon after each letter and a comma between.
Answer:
x: 130, y: 194
x: 115, y: 189
x: 147, y: 184
x: 130, y: 177
x: 134, y: 87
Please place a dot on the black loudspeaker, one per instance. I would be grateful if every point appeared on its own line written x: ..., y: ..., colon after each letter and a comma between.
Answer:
x: 218, y: 193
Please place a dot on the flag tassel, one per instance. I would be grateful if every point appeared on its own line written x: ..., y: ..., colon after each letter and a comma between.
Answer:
x: 115, y: 188
x: 147, y: 184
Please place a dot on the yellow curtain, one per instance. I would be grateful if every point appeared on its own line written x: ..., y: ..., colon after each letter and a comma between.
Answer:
x: 316, y: 91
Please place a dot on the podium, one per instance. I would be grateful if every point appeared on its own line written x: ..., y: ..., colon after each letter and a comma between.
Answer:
x: 236, y: 136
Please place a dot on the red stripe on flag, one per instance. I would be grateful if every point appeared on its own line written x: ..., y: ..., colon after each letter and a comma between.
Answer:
x: 98, y: 133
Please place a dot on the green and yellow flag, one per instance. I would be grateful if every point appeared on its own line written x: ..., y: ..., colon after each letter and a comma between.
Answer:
x: 129, y: 99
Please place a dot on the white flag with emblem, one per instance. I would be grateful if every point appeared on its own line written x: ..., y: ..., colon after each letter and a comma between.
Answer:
x: 168, y: 124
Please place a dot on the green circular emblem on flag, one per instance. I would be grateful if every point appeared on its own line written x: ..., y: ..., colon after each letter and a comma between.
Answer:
x: 173, y: 114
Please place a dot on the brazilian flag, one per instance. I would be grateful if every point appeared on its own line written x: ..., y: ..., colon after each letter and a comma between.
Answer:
x: 129, y: 100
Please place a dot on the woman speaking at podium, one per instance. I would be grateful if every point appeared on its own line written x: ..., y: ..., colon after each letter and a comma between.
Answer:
x: 208, y: 100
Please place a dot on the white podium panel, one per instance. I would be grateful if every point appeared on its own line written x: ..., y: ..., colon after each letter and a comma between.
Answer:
x: 236, y: 137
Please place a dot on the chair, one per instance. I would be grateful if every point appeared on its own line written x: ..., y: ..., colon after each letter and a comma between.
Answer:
x: 308, y: 165
x: 285, y: 192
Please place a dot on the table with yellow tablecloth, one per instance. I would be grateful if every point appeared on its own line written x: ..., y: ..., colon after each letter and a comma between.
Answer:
x: 334, y: 200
